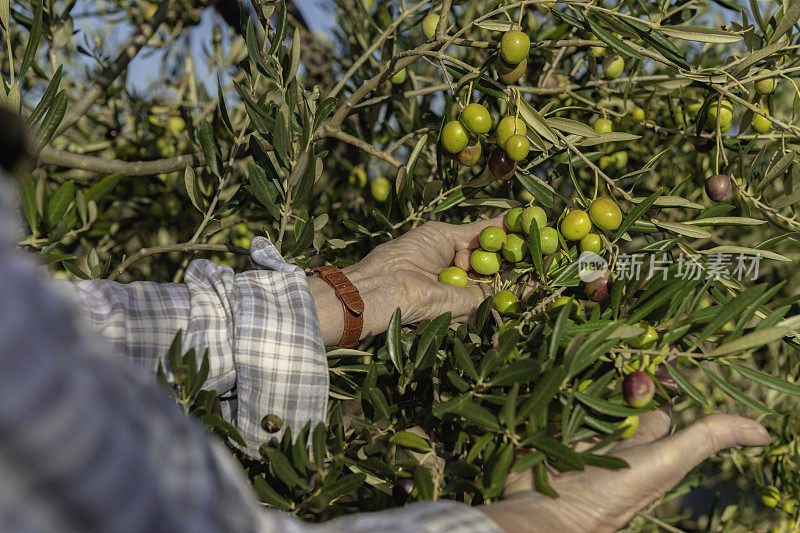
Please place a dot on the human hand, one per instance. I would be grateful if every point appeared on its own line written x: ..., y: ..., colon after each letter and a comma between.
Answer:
x: 404, y: 273
x: 600, y: 500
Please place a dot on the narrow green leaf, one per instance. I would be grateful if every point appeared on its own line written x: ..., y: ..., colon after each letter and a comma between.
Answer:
x: 192, y: 189
x: 789, y: 19
x: 319, y: 444
x: 407, y: 439
x: 47, y: 97
x: 33, y: 41
x: 463, y: 359
x: 636, y: 212
x: 604, y: 461
x: 544, y: 391
x: 772, y: 382
x: 541, y: 482
x: 685, y: 385
x: 423, y: 478
x: 268, y: 495
x: 607, y: 408
x: 205, y: 134
x: 611, y: 40
x: 736, y: 394
x: 345, y: 485
x: 730, y: 310
x: 528, y: 461
x: 303, y: 240
x: 27, y: 191
x: 701, y: 35
x: 758, y: 339
x: 555, y: 449
x: 53, y: 118
x: 393, y: 341
x: 283, y: 469
x: 59, y: 202
x: 559, y: 328
x: 522, y: 371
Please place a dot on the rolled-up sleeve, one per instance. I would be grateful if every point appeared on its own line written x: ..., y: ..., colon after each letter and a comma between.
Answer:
x: 260, y: 328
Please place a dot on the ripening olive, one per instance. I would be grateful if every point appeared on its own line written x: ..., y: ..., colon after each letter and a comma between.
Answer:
x: 719, y: 187
x: 638, y: 389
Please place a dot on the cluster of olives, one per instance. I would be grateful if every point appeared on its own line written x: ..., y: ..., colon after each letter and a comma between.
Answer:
x: 475, y: 120
x: 497, y: 244
x: 615, y: 161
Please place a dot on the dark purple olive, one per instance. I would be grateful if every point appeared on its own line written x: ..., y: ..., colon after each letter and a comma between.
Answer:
x: 599, y: 289
x: 719, y: 187
x: 401, y: 491
x: 501, y: 166
x: 638, y: 389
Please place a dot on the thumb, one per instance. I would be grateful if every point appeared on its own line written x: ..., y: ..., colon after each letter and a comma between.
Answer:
x: 684, y: 450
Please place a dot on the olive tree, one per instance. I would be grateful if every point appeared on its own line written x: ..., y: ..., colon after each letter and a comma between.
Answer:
x: 664, y: 130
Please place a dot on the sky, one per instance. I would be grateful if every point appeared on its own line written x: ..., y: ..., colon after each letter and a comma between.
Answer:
x: 144, y: 70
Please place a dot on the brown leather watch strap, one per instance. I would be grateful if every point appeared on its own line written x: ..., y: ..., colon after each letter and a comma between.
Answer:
x: 352, y: 304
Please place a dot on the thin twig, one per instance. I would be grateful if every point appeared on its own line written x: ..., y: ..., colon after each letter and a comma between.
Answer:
x: 61, y: 158
x: 362, y: 145
x: 169, y: 248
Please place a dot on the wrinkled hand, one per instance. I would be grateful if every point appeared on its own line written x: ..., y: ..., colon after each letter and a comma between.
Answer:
x: 600, y: 500
x: 403, y: 273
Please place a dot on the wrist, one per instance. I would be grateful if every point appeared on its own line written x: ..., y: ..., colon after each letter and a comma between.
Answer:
x: 359, y: 275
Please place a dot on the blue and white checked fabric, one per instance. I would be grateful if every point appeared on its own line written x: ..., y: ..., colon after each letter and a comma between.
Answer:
x: 88, y: 445
x: 260, y: 327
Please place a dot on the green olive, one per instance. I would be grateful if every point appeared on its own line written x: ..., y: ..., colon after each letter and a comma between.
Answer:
x: 492, y: 238
x: 576, y: 225
x: 531, y: 213
x: 548, y: 240
x: 485, y: 263
x: 507, y: 127
x: 454, y: 137
x: 506, y: 302
x: 605, y: 214
x: 514, y: 248
x: 517, y: 147
x: 512, y: 219
x: 454, y: 276
x: 380, y: 188
x: 591, y: 243
x: 514, y: 46
x: 476, y: 118
x: 429, y: 24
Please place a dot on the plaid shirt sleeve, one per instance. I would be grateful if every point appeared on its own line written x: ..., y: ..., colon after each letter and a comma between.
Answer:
x: 260, y: 328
